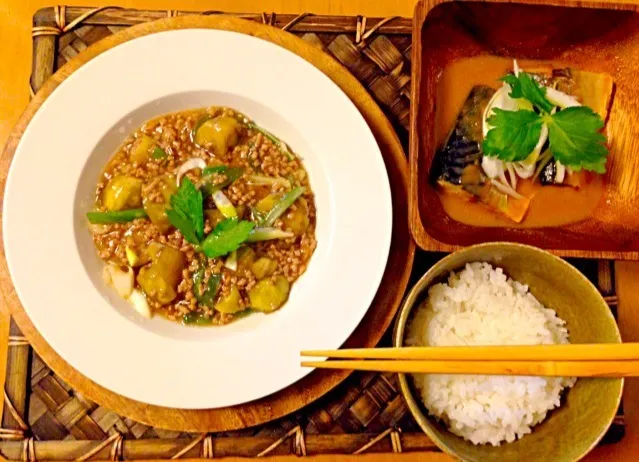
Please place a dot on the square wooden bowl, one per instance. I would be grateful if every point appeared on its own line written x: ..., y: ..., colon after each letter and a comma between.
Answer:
x: 589, y: 35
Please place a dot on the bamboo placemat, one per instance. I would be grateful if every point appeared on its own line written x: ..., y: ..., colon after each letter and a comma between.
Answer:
x: 44, y: 418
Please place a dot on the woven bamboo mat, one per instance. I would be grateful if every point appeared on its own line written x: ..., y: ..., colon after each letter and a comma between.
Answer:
x: 44, y: 418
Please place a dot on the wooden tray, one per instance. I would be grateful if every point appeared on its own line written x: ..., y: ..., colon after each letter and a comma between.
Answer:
x: 46, y: 418
x: 593, y: 35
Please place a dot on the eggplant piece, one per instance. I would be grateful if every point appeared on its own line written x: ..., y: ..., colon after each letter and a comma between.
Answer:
x: 122, y: 192
x: 159, y: 281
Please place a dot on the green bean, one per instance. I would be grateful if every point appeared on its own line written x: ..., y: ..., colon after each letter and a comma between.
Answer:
x: 120, y: 216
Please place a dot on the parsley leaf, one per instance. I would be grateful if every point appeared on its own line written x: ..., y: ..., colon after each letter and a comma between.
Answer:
x: 514, y: 136
x: 186, y: 212
x: 575, y: 140
x: 227, y: 236
x: 524, y: 86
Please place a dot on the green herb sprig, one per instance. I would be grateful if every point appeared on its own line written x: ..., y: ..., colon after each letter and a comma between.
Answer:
x: 187, y: 215
x: 226, y: 237
x: 574, y: 133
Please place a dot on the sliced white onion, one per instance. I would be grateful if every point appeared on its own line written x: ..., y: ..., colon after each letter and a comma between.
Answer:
x: 516, y: 68
x: 506, y: 189
x: 492, y: 166
x: 121, y: 279
x: 560, y: 98
x: 560, y: 175
x: 512, y: 175
x: 224, y: 204
x: 524, y: 170
x: 502, y: 177
x: 140, y: 304
x: 231, y: 261
x: 192, y: 163
x: 543, y: 137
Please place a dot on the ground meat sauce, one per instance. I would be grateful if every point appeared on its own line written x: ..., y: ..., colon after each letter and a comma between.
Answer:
x: 142, y: 175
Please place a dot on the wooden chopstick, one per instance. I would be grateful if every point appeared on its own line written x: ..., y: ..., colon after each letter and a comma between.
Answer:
x: 568, y: 352
x: 534, y: 368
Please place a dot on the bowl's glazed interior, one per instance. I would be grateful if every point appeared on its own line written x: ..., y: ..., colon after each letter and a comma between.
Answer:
x: 587, y: 409
x: 581, y: 35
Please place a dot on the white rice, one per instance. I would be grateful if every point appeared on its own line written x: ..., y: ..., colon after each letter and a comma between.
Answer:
x: 482, y: 306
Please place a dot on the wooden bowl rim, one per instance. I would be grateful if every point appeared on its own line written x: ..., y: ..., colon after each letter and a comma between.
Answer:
x: 418, y: 231
x: 422, y: 286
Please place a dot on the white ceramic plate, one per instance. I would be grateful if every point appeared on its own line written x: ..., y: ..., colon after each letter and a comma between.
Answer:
x: 54, y: 265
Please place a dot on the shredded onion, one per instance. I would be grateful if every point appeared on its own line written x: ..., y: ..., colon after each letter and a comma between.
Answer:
x: 192, y: 163
x: 516, y: 68
x: 492, y: 166
x: 560, y: 98
x: 561, y: 172
x: 506, y: 189
x: 512, y: 174
x: 524, y: 169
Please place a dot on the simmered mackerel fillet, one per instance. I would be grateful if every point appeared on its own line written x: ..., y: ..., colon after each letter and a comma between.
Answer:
x: 460, y: 167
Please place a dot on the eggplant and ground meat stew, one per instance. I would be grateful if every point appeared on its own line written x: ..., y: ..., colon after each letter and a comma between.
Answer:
x: 202, y: 216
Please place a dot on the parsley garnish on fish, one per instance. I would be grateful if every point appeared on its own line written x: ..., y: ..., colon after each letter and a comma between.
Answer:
x: 524, y: 86
x: 514, y: 136
x: 573, y: 133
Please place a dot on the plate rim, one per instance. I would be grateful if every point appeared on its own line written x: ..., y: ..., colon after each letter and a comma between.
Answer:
x: 180, y: 384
